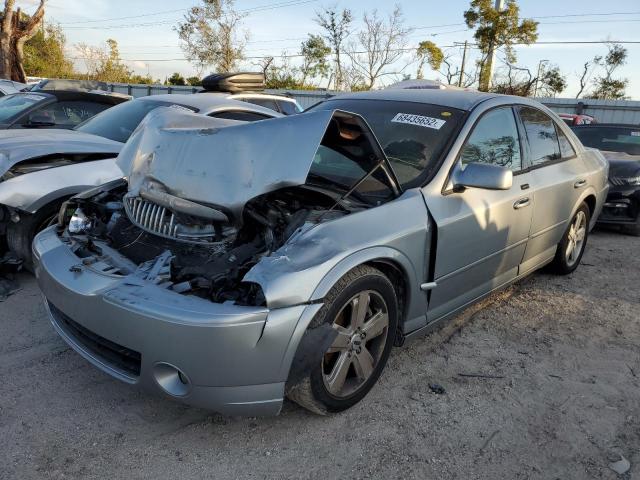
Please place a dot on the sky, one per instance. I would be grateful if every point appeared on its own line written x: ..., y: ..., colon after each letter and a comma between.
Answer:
x: 148, y: 43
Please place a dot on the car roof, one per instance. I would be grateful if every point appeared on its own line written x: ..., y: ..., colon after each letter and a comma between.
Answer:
x: 462, y: 100
x: 98, y: 97
x: 208, y: 102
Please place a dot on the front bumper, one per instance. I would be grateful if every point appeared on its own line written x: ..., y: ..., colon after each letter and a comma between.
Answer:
x: 622, y: 206
x: 232, y: 359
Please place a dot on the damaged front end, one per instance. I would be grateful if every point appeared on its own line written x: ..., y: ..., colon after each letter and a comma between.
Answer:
x: 205, y: 200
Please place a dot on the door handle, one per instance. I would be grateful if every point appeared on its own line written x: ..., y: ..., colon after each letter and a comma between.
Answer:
x: 580, y: 183
x: 523, y: 202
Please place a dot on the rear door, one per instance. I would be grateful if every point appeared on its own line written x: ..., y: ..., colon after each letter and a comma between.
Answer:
x: 555, y: 181
x: 481, y: 234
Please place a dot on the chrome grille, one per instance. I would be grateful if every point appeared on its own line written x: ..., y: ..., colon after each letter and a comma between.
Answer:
x: 618, y: 181
x: 151, y: 217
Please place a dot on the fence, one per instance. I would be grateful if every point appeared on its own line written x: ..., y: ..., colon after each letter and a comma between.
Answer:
x: 605, y: 111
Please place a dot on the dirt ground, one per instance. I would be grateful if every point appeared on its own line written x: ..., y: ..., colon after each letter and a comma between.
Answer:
x: 564, y: 403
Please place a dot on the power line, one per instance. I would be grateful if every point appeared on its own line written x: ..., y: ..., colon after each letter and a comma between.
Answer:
x: 248, y: 11
x: 407, y: 49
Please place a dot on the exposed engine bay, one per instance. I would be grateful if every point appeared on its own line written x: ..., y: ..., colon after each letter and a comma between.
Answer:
x: 189, y: 253
x: 196, y: 223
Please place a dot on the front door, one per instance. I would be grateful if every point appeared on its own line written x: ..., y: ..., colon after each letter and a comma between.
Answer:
x: 481, y: 234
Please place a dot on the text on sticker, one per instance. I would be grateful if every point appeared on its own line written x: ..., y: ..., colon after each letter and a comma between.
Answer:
x: 419, y: 120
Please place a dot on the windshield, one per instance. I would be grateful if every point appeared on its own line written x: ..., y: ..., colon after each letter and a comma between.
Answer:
x: 611, y: 139
x: 13, y: 105
x: 412, y: 135
x: 118, y: 123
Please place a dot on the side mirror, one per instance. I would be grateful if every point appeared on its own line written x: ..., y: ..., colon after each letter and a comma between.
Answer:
x: 38, y: 119
x: 482, y: 175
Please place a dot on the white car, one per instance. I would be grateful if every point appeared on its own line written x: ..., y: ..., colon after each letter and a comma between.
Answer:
x: 39, y: 170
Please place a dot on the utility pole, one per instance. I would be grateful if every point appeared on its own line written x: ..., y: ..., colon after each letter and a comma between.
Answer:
x: 464, y: 60
x: 491, y: 56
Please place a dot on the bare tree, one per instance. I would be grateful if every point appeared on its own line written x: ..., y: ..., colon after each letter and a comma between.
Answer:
x: 14, y: 33
x: 380, y: 44
x: 584, y: 78
x: 337, y: 28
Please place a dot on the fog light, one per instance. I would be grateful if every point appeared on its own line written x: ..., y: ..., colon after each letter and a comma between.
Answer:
x: 171, y: 379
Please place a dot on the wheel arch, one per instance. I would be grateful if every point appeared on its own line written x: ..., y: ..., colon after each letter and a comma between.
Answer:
x: 395, y: 265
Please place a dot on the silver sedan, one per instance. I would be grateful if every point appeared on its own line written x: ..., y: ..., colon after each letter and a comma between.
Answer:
x: 238, y: 264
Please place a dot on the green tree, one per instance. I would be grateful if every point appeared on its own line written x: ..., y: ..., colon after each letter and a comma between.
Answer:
x: 314, y: 53
x: 44, y: 54
x: 141, y: 79
x: 496, y: 29
x: 211, y: 36
x: 194, y: 81
x: 520, y: 81
x: 176, y: 79
x: 428, y: 52
x: 104, y: 63
x: 606, y: 86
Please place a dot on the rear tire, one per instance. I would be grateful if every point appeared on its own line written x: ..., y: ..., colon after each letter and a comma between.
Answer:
x: 20, y: 235
x: 571, y: 247
x: 359, y: 318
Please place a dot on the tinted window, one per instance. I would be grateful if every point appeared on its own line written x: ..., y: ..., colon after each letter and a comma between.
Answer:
x: 494, y: 140
x: 611, y: 139
x: 118, y: 123
x: 288, y: 108
x: 541, y: 136
x: 70, y: 113
x: 412, y: 135
x: 12, y: 105
x: 263, y: 102
x: 239, y: 115
x: 566, y: 150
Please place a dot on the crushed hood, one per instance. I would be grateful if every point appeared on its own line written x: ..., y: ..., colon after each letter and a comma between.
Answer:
x: 225, y: 163
x: 19, y: 145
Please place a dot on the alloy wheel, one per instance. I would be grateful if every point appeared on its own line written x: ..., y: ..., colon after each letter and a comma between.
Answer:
x: 362, y: 326
x: 576, y: 236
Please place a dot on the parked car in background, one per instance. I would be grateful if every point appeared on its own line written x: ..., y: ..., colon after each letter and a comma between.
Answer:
x: 68, y: 84
x: 572, y: 119
x: 620, y: 144
x: 7, y: 87
x: 53, y: 109
x: 228, y: 277
x: 39, y: 170
x: 249, y: 87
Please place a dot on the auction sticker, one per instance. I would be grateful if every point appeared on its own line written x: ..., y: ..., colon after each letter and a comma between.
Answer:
x: 419, y: 120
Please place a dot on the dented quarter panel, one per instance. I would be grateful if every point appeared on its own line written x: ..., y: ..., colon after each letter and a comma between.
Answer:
x: 316, y: 257
x: 34, y: 190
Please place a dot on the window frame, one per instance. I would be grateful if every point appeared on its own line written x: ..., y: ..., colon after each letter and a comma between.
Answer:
x: 523, y: 158
x: 557, y: 128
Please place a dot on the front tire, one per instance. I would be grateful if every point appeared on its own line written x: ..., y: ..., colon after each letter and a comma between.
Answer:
x: 362, y: 315
x: 571, y: 247
x: 20, y: 235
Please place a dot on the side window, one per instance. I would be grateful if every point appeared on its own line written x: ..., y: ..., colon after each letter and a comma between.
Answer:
x: 566, y: 150
x: 288, y: 108
x: 494, y: 140
x: 263, y: 102
x: 239, y: 115
x: 541, y: 136
x: 71, y: 113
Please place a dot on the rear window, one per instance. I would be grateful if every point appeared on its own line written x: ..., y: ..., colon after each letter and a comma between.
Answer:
x: 412, y: 135
x: 541, y: 135
x: 611, y: 139
x: 13, y: 105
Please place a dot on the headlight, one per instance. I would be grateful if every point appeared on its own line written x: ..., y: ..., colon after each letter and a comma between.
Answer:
x: 79, y: 222
x: 633, y: 180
